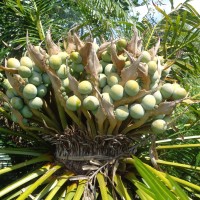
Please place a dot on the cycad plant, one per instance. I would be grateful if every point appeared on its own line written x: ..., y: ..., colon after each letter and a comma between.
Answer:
x: 85, y: 110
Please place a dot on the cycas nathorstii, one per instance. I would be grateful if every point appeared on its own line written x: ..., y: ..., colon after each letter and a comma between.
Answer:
x: 93, y: 103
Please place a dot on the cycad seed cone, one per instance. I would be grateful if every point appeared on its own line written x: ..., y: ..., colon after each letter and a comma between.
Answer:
x: 90, y: 102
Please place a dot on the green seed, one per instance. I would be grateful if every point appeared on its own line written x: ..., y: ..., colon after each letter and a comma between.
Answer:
x: 35, y: 78
x: 75, y: 57
x: 116, y: 92
x: 148, y: 102
x: 55, y: 61
x: 102, y: 80
x: 85, y: 87
x: 159, y: 126
x: 41, y: 91
x: 131, y: 87
x: 167, y: 90
x: 121, y: 113
x: 24, y: 72
x: 113, y: 79
x: 91, y: 103
x: 145, y: 57
x: 30, y: 91
x: 73, y: 103
x: 35, y: 103
x: 136, y: 111
x: 17, y: 103
x: 26, y: 61
x: 13, y: 63
x: 26, y: 112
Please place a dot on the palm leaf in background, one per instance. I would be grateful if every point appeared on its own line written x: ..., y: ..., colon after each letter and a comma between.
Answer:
x: 179, y: 32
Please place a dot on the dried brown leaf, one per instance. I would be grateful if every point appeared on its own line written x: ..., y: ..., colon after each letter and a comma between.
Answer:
x: 116, y: 61
x: 143, y: 74
x: 52, y: 48
x: 19, y: 118
x: 39, y: 58
x: 103, y: 48
x: 56, y: 84
x: 69, y: 43
x: 16, y: 82
x: 84, y: 52
x: 93, y: 65
x: 73, y: 85
x: 165, y: 108
x: 153, y: 51
x: 79, y: 44
x: 133, y: 44
x: 10, y: 70
x: 107, y: 109
x: 129, y: 73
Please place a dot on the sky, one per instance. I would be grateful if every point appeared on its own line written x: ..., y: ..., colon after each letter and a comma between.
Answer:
x: 167, y: 7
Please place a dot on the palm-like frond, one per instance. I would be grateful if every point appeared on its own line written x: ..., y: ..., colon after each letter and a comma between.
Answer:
x: 179, y: 32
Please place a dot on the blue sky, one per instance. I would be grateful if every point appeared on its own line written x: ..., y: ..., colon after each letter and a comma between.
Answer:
x: 167, y: 7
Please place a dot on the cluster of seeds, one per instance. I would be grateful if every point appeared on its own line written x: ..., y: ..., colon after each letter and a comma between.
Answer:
x: 131, y: 85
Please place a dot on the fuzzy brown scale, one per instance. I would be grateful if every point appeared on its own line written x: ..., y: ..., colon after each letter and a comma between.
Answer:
x: 105, y: 128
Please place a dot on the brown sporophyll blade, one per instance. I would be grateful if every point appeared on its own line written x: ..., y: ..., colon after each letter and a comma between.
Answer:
x: 52, y: 48
x: 119, y: 64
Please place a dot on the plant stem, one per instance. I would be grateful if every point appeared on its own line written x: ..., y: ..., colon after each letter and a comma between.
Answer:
x: 41, y: 158
x: 90, y: 122
x: 46, y: 189
x: 80, y: 189
x: 20, y: 151
x: 60, y: 183
x: 48, y: 121
x: 178, y: 146
x: 149, y: 39
x: 71, y: 189
x: 61, y: 114
x: 50, y: 113
x: 163, y: 162
x: 180, y: 138
x: 102, y: 185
